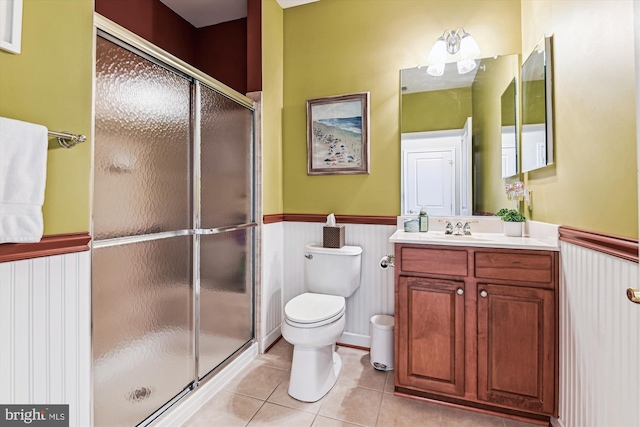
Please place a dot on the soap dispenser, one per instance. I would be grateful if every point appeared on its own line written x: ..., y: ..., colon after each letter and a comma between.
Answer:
x: 423, y: 219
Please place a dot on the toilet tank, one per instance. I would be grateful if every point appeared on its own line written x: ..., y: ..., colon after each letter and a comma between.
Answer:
x: 332, y: 271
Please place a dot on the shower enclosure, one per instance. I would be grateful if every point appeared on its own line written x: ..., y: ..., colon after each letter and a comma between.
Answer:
x: 173, y: 230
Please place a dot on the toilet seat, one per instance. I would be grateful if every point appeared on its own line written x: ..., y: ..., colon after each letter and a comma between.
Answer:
x: 310, y: 310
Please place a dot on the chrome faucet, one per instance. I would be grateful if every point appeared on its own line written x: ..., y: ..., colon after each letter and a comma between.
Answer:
x: 467, y: 229
x: 448, y: 229
x: 459, y: 229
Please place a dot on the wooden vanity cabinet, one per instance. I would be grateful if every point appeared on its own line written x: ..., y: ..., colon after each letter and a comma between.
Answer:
x: 516, y: 347
x: 432, y: 313
x: 478, y: 327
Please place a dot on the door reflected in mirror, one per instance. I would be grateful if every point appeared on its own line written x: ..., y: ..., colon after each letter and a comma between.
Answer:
x: 451, y: 138
x: 508, y: 103
x: 537, y: 129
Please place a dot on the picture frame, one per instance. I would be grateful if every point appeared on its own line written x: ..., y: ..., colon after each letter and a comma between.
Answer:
x: 338, y: 135
x: 11, y: 25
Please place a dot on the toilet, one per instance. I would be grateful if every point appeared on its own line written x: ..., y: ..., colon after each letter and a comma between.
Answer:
x: 315, y: 320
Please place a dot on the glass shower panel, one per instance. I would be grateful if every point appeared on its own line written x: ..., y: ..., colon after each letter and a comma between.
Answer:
x: 143, y: 125
x: 226, y: 135
x: 142, y: 328
x: 226, y: 292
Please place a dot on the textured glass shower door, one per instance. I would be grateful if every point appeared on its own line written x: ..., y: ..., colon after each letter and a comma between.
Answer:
x: 173, y: 227
x: 142, y: 264
x: 226, y: 207
x: 141, y: 328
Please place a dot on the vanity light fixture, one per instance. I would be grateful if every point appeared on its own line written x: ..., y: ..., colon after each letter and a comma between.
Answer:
x: 453, y: 42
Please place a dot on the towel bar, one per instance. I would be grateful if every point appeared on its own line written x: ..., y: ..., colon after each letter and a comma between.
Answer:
x: 68, y: 140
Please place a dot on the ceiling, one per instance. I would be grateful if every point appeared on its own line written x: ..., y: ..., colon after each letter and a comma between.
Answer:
x: 202, y: 13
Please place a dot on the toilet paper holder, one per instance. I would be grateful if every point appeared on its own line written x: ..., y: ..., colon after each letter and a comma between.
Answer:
x: 387, y: 261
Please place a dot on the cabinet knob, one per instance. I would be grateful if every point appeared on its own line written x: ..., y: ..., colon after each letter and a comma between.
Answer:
x: 483, y: 294
x: 634, y: 295
x: 460, y: 291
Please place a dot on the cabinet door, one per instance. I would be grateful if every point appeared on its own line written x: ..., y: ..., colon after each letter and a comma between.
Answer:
x: 516, y: 347
x: 431, y: 335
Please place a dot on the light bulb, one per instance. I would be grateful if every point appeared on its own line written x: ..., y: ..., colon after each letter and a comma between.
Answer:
x: 469, y: 49
x: 435, y: 70
x: 438, y: 54
x: 465, y: 66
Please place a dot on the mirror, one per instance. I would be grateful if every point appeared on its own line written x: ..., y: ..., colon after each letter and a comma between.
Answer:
x: 537, y: 128
x: 451, y: 138
x: 509, y: 131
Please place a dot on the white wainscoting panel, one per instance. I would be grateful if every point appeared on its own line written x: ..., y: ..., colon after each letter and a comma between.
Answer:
x: 599, y: 340
x: 296, y: 236
x: 45, y: 333
x: 375, y: 295
x: 272, y: 282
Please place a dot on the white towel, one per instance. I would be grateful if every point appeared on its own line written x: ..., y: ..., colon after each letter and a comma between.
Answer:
x: 23, y: 172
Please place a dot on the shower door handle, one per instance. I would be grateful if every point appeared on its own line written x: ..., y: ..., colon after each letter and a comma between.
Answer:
x: 205, y: 231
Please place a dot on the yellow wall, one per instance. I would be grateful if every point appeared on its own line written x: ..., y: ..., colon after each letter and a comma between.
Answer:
x: 593, y: 183
x: 335, y: 47
x: 50, y: 83
x: 435, y: 110
x: 272, y: 81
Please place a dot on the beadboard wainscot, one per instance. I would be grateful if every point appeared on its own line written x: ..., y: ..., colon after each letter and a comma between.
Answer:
x: 599, y: 339
x: 375, y: 295
x: 273, y: 266
x: 45, y: 325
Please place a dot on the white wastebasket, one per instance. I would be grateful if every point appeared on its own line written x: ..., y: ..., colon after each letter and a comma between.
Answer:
x: 382, y: 342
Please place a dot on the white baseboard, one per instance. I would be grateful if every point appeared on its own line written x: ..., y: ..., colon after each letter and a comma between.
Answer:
x: 265, y: 342
x: 359, y: 340
x: 182, y: 411
x: 557, y: 422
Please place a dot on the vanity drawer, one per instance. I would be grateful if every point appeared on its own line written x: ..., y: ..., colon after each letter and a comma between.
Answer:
x: 516, y: 267
x: 434, y: 261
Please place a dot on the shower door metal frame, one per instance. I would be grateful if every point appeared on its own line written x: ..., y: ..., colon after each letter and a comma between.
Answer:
x: 138, y: 45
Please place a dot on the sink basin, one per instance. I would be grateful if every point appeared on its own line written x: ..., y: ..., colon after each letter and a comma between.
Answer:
x: 458, y: 238
x: 478, y: 239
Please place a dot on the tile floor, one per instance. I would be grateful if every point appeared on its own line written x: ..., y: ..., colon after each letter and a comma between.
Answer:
x: 361, y: 397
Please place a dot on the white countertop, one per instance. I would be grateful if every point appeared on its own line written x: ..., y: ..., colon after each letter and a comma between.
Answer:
x: 487, y: 240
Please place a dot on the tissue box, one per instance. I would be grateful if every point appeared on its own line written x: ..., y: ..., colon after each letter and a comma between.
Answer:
x: 333, y: 237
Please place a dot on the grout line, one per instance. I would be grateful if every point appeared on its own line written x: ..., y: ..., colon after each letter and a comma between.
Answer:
x: 274, y: 389
x: 379, y: 406
x: 254, y: 415
x: 344, y: 421
x: 275, y: 367
x: 282, y: 405
x: 242, y: 394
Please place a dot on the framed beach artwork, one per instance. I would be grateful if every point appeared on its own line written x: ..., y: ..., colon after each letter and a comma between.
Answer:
x: 338, y: 135
x: 10, y: 25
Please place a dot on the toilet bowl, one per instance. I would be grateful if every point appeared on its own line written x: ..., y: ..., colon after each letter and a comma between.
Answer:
x: 315, y: 366
x: 314, y: 321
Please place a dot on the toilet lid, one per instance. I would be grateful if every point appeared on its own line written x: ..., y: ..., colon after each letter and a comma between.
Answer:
x: 313, y: 308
